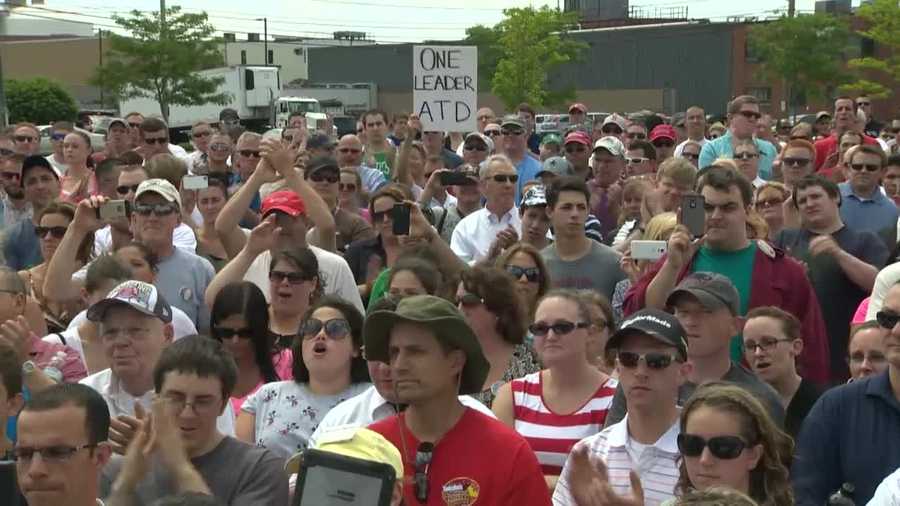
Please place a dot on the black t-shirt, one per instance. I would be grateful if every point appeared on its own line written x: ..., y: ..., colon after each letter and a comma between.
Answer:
x: 838, y: 295
x: 804, y: 398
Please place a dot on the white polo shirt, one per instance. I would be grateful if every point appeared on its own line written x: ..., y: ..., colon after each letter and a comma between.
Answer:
x: 473, y: 236
x: 656, y: 465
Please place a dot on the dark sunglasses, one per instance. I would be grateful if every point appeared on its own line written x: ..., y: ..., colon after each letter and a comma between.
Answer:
x: 347, y: 187
x: 614, y: 130
x: 379, y: 216
x: 492, y: 133
x: 475, y: 147
x: 887, y: 319
x: 870, y: 167
x: 532, y: 274
x: 349, y: 150
x: 336, y: 328
x: 765, y: 204
x: 223, y: 333
x: 134, y: 125
x: 197, y: 135
x: 505, y: 178
x: 746, y: 156
x: 294, y: 278
x: 6, y: 152
x: 722, y: 447
x: 576, y: 149
x: 424, y: 454
x: 56, y: 232
x: 331, y: 177
x: 636, y: 161
x: 469, y: 300
x: 163, y: 209
x: 654, y: 360
x: 156, y: 140
x: 636, y: 135
x: 11, y: 176
x: 124, y: 189
x: 24, y: 138
x: 248, y: 153
x: 750, y: 114
x: 663, y: 144
x: 690, y: 156
x: 559, y: 328
x: 795, y: 162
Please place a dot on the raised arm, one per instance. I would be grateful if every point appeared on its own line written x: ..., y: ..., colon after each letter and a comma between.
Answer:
x: 227, y: 223
x: 401, y: 168
x: 58, y: 285
x: 262, y: 238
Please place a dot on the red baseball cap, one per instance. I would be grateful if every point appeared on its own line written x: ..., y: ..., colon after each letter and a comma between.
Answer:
x: 663, y: 131
x: 579, y: 106
x: 579, y: 137
x: 285, y: 201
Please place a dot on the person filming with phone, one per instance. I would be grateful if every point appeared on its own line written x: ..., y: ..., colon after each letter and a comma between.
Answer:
x: 762, y: 274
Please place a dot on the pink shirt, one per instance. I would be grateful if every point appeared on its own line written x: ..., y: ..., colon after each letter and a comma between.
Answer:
x: 284, y: 362
x: 58, y: 356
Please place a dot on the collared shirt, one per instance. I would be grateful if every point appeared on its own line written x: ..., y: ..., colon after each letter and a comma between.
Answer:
x: 888, y: 493
x: 680, y: 147
x: 121, y: 402
x: 873, y: 214
x: 657, y: 467
x: 473, y: 236
x: 723, y: 148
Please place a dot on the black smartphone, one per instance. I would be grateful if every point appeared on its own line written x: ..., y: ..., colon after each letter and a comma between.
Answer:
x: 692, y: 214
x: 455, y: 178
x: 400, y: 217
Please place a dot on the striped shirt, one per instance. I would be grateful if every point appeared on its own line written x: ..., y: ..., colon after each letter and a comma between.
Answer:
x: 657, y: 466
x: 552, y: 435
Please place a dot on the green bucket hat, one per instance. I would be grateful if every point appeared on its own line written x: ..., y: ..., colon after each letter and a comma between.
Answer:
x: 448, y: 325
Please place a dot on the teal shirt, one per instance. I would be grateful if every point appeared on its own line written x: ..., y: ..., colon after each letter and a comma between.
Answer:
x: 736, y: 266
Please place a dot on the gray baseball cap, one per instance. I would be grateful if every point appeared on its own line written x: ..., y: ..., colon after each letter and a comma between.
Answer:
x: 556, y: 165
x: 712, y: 290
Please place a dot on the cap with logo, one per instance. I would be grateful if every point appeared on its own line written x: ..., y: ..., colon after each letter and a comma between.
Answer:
x: 614, y: 119
x: 660, y: 325
x: 116, y: 121
x: 319, y: 140
x: 579, y: 137
x: 712, y: 290
x: 551, y: 139
x: 611, y: 144
x: 556, y: 165
x: 321, y: 163
x: 535, y: 196
x: 355, y: 442
x: 663, y: 131
x: 33, y: 162
x: 284, y: 201
x: 822, y: 114
x: 483, y: 138
x: 512, y: 120
x: 142, y: 297
x: 161, y: 187
x: 578, y: 106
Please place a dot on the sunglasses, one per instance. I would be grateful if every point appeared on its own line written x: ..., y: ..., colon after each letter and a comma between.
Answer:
x: 532, y: 274
x: 887, y: 319
x: 746, y: 156
x: 505, y: 178
x: 722, y: 447
x: 765, y: 204
x: 10, y: 176
x: 336, y: 328
x: 870, y: 167
x: 156, y: 140
x: 223, y: 333
x: 611, y: 130
x: 58, y: 137
x: 347, y: 187
x: 248, y: 153
x: 197, y: 135
x: 475, y: 147
x: 163, y: 209
x: 750, y: 114
x: 6, y: 152
x: 576, y: 149
x: 636, y: 135
x: 654, y: 360
x: 795, y: 162
x: 219, y: 147
x: 55, y: 232
x: 124, y: 189
x: 424, y: 453
x: 24, y: 138
x: 663, y: 144
x: 492, y: 133
x: 330, y: 177
x: 469, y: 300
x: 294, y: 278
x: 714, y: 136
x: 559, y: 328
x: 690, y: 156
x: 379, y: 216
x: 636, y: 161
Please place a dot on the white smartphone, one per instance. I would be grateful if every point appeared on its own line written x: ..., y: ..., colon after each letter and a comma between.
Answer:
x: 195, y: 182
x: 648, y: 250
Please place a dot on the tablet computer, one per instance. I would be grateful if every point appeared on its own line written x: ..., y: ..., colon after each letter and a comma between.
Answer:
x: 329, y: 479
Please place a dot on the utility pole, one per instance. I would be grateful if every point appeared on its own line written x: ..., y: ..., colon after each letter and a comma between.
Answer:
x: 3, y: 117
x: 265, y: 40
x: 100, y: 53
x: 163, y: 107
x: 792, y: 7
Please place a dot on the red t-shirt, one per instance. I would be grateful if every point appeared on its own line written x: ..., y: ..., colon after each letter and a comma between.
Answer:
x: 826, y: 152
x: 479, y: 461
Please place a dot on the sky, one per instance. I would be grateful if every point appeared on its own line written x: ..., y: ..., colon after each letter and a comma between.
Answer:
x: 386, y: 21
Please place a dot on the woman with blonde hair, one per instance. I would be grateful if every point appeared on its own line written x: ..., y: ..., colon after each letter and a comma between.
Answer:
x: 659, y: 228
x: 769, y: 202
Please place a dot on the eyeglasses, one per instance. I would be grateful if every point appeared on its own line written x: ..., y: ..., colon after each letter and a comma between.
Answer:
x: 331, y: 177
x: 575, y: 149
x: 636, y: 161
x: 532, y: 274
x: 559, y: 328
x: 349, y: 150
x: 347, y: 187
x: 201, y: 406
x: 198, y: 135
x: 469, y: 300
x: 636, y: 135
x: 124, y: 189
x: 745, y: 156
x: 55, y: 232
x: 795, y: 162
x: 156, y: 140
x: 611, y: 130
x: 218, y: 146
x: 294, y: 278
x: 162, y: 209
x: 722, y: 447
x: 24, y: 138
x: 423, y: 461
x: 492, y: 133
x: 54, y: 454
x: 335, y: 329
x: 690, y: 156
x: 887, y: 319
x: 249, y: 153
x: 11, y: 176
x: 663, y: 144
x: 765, y: 204
x: 870, y: 167
x: 223, y: 333
x: 654, y: 360
x: 505, y: 178
x: 764, y: 344
x: 751, y: 115
x: 475, y: 147
x: 134, y: 125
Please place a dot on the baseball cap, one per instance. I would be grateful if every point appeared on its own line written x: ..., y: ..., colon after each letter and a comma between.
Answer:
x: 578, y: 106
x: 512, y: 120
x: 579, y: 137
x: 822, y: 114
x: 228, y: 114
x: 551, y: 139
x: 614, y: 119
x: 321, y: 163
x: 557, y: 165
x: 611, y: 144
x: 662, y: 131
x: 355, y: 442
x: 712, y: 290
x: 535, y: 196
x: 35, y: 161
x: 285, y: 201
x: 660, y: 325
x: 160, y: 187
x: 115, y: 121
x: 319, y: 140
x: 484, y: 138
x: 142, y: 297
x: 718, y: 125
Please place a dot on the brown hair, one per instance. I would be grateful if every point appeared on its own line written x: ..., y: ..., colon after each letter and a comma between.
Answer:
x: 680, y: 170
x: 66, y: 209
x: 790, y: 325
x: 396, y: 191
x: 521, y: 247
x: 153, y: 125
x: 166, y: 166
x: 497, y: 288
x: 735, y: 105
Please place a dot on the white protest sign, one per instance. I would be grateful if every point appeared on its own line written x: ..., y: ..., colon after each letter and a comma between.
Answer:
x: 445, y: 87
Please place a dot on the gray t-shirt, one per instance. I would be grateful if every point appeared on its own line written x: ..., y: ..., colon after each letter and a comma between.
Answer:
x: 182, y: 280
x: 597, y: 270
x: 236, y: 473
x: 738, y: 375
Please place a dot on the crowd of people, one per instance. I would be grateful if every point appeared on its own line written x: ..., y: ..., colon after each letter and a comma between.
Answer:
x: 475, y: 311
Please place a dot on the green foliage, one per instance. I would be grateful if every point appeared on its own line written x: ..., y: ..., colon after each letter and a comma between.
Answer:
x: 882, y: 18
x: 518, y: 54
x: 804, y: 51
x: 161, y: 62
x: 39, y: 101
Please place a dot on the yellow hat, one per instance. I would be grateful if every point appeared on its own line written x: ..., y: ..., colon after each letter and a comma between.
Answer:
x: 356, y: 442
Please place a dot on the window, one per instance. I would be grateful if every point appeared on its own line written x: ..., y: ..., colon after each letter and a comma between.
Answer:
x: 243, y: 56
x: 270, y: 58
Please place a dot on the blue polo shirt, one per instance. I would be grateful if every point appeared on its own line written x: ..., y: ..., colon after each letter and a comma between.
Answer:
x: 722, y: 148
x: 874, y: 214
x: 851, y: 435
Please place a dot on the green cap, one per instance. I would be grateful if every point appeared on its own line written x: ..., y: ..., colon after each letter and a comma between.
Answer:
x: 444, y: 320
x: 551, y: 139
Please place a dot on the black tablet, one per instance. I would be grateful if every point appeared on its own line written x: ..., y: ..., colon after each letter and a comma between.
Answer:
x: 329, y: 479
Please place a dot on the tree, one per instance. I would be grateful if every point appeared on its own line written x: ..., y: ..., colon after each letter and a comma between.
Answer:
x: 487, y: 40
x: 805, y: 52
x: 161, y: 60
x: 882, y: 18
x: 39, y: 101
x: 533, y: 42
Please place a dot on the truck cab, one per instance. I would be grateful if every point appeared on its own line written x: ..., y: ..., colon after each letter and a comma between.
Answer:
x: 310, y: 107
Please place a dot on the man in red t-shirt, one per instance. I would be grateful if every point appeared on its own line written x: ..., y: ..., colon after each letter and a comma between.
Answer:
x: 452, y: 455
x: 827, y: 149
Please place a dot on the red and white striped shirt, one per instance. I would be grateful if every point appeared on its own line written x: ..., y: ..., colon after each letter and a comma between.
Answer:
x: 552, y: 435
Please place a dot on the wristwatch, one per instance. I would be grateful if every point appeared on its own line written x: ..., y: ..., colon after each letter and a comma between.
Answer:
x: 28, y: 367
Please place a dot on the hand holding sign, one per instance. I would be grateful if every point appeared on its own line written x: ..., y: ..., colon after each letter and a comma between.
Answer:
x: 445, y: 87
